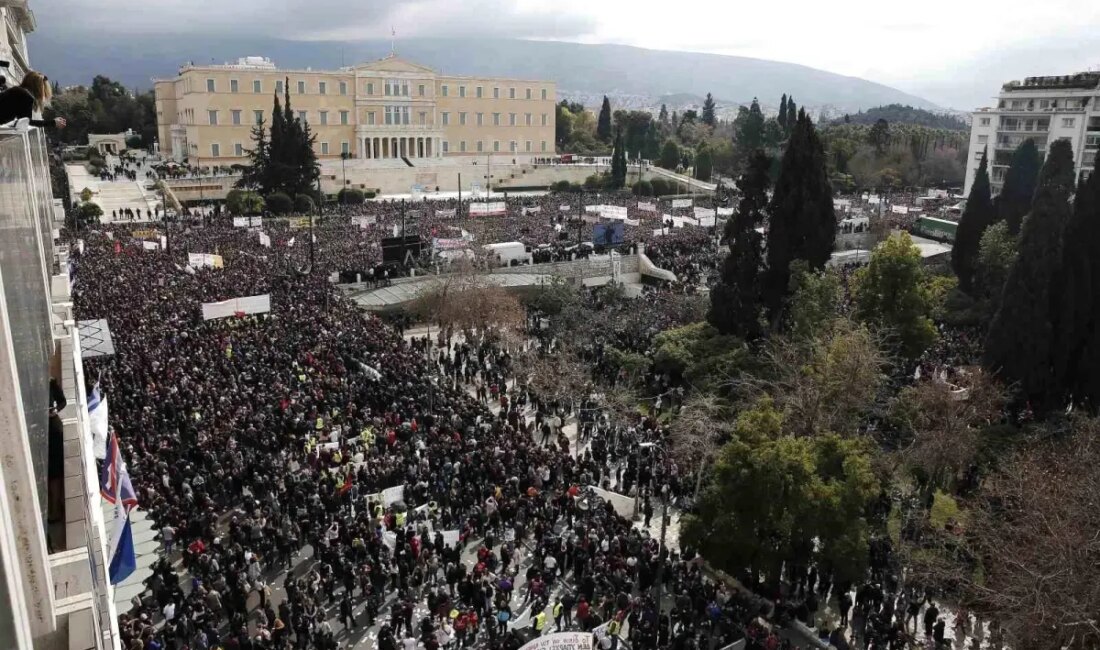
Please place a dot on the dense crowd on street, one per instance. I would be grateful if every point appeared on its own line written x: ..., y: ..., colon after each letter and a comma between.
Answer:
x: 250, y: 438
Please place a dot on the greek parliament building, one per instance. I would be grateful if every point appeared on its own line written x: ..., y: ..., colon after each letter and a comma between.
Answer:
x: 1043, y: 109
x: 390, y: 109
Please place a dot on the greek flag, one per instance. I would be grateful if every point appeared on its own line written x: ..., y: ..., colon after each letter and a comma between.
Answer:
x: 97, y: 422
x: 116, y: 489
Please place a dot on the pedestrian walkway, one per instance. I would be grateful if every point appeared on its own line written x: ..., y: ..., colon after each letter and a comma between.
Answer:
x: 113, y: 196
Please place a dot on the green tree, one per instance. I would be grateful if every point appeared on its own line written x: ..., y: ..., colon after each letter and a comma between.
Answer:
x: 89, y: 213
x: 815, y: 301
x: 603, y: 124
x: 351, y: 196
x: 801, y: 218
x: 663, y: 116
x: 709, y: 117
x: 1076, y: 289
x: 618, y: 163
x: 782, y: 118
x: 996, y: 255
x: 781, y: 499
x: 652, y: 147
x: 792, y: 114
x: 279, y: 203
x: 303, y: 204
x: 735, y: 301
x: 1018, y: 344
x: 977, y: 216
x: 670, y: 155
x: 879, y: 136
x: 1018, y: 190
x: 748, y: 129
x: 257, y: 175
x: 888, y: 293
x: 704, y: 164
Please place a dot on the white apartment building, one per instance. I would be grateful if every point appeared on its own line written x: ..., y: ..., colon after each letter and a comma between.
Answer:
x: 1043, y: 109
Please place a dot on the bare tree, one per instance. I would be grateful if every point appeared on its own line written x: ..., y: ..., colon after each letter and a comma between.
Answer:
x: 1036, y: 530
x: 468, y: 299
x: 698, y: 431
x: 943, y: 421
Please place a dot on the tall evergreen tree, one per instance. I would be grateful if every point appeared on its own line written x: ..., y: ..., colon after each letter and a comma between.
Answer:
x: 792, y: 114
x: 1018, y: 190
x: 735, y: 301
x: 663, y: 115
x: 275, y: 175
x: 1076, y: 291
x: 749, y: 128
x: 977, y: 216
x: 603, y: 124
x: 709, y: 117
x: 782, y: 117
x: 256, y: 175
x: 1018, y: 345
x: 618, y: 162
x: 652, y: 148
x: 802, y: 224
x: 704, y: 162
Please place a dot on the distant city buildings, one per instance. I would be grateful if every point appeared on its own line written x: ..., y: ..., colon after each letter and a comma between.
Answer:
x: 1043, y: 109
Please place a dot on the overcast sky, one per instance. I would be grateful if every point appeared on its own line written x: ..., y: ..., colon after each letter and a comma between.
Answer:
x: 952, y: 52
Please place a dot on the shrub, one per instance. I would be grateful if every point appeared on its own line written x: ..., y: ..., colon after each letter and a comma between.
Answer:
x: 350, y: 196
x: 279, y: 203
x: 660, y: 186
x: 643, y: 188
x: 89, y: 212
x: 133, y: 142
x: 85, y: 194
x: 370, y: 194
x: 303, y: 204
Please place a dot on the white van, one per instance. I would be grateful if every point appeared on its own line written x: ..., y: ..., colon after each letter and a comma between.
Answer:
x: 507, y: 253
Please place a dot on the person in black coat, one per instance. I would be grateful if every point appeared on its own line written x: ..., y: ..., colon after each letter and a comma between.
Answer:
x: 23, y: 101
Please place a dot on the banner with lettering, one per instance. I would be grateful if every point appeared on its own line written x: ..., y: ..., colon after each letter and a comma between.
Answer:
x: 493, y: 209
x: 681, y: 203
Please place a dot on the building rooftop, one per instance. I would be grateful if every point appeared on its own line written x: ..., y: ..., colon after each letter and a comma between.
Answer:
x: 1082, y: 80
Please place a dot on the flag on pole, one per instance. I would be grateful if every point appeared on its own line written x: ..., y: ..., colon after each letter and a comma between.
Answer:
x: 97, y: 422
x: 116, y: 489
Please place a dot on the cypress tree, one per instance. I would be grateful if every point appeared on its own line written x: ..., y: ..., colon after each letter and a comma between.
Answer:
x: 603, y: 124
x: 802, y: 224
x: 1019, y: 344
x: 1076, y: 290
x: 792, y: 114
x: 709, y: 117
x: 977, y: 216
x: 273, y: 177
x: 1016, y: 195
x: 735, y: 301
x: 782, y: 117
x: 618, y: 162
x: 254, y: 177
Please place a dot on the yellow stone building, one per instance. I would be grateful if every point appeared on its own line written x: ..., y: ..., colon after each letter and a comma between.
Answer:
x: 388, y: 109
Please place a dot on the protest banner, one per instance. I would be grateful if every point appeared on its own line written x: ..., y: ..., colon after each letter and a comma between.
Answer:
x: 237, y: 307
x: 451, y: 537
x: 647, y: 207
x: 446, y: 214
x: 681, y: 203
x: 493, y: 209
x: 362, y: 221
x: 392, y: 495
x: 265, y: 240
x: 146, y: 234
x: 899, y: 209
x: 561, y: 641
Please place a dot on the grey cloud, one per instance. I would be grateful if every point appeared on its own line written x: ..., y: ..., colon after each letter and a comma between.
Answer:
x: 308, y: 19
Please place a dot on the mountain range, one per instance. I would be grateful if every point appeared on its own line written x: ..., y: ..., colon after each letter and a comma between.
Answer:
x: 579, y: 69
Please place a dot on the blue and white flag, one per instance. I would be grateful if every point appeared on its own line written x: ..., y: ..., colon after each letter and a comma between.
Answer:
x: 116, y: 489
x: 97, y: 422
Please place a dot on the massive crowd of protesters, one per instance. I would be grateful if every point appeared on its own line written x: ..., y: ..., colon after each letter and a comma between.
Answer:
x: 251, y: 438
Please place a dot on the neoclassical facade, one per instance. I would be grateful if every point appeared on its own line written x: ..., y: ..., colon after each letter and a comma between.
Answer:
x: 390, y: 109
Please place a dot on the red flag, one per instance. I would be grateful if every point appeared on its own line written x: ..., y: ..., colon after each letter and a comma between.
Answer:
x: 118, y: 247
